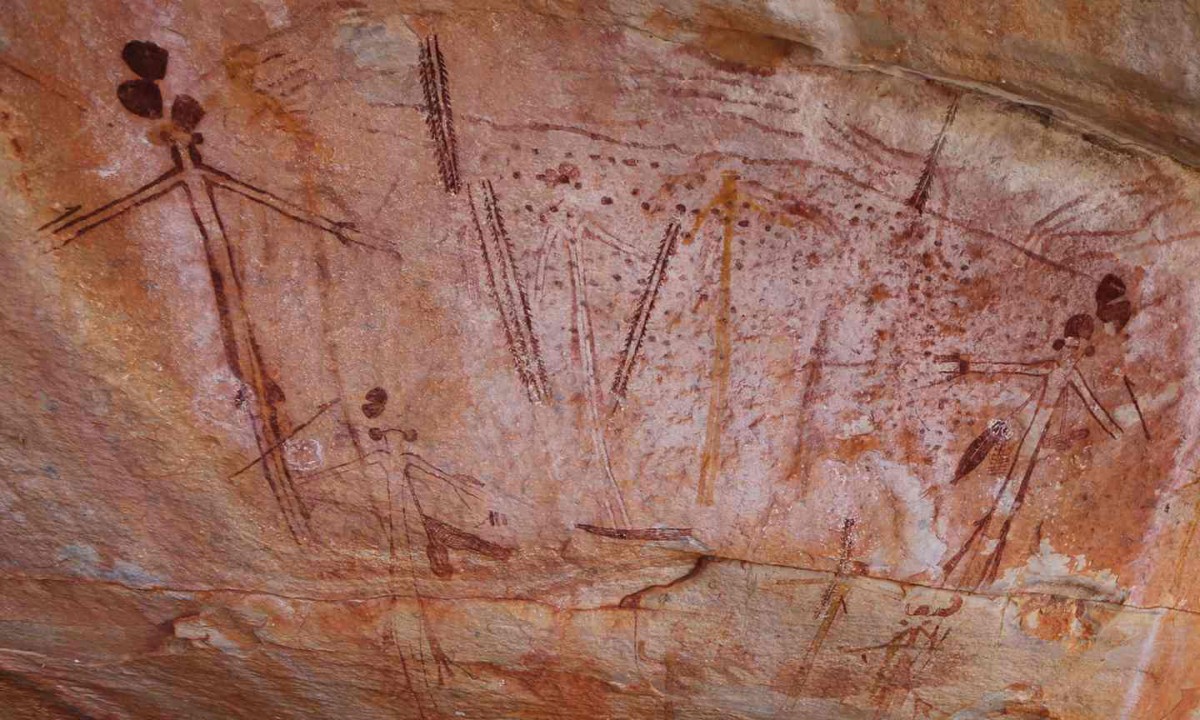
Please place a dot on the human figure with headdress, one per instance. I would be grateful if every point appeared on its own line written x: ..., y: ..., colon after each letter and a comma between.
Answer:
x: 260, y: 393
x: 410, y: 491
x: 1058, y: 374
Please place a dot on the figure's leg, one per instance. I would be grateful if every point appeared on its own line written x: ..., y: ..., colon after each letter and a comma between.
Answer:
x: 585, y: 343
x: 1009, y: 499
x: 981, y: 526
x: 405, y: 653
x: 1012, y: 496
x: 374, y: 468
x: 404, y: 511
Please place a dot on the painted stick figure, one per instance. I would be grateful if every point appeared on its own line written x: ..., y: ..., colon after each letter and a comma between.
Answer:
x: 1058, y: 375
x: 572, y: 236
x: 907, y: 655
x: 408, y: 480
x: 403, y: 507
x: 259, y: 392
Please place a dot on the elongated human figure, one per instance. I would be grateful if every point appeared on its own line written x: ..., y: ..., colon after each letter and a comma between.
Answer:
x: 1058, y: 374
x: 261, y: 394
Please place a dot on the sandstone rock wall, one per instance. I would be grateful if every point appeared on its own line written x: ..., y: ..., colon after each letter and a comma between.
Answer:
x: 812, y: 360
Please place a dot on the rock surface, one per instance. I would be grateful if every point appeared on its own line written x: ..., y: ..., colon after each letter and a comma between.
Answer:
x: 444, y: 360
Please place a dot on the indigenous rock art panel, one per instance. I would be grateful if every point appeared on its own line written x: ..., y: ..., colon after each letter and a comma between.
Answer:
x: 667, y: 372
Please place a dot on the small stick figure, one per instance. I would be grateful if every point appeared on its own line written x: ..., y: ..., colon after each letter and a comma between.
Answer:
x: 907, y: 655
x: 1058, y: 374
x: 408, y: 483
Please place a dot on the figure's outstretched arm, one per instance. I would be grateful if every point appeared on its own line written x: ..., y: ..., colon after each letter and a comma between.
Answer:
x: 73, y: 226
x: 413, y: 460
x: 276, y: 203
x: 1092, y: 403
x: 416, y: 467
x: 367, y: 459
x: 345, y: 232
x: 956, y: 364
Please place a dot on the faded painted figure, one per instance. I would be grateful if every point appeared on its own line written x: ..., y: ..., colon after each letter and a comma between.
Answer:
x: 414, y: 502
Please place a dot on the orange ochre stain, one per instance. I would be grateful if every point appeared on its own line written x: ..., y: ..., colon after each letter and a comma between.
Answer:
x: 710, y: 456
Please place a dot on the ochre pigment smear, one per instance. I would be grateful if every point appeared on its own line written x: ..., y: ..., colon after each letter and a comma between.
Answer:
x: 710, y: 457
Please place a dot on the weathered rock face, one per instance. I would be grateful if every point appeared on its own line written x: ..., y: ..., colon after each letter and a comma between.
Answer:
x: 585, y: 362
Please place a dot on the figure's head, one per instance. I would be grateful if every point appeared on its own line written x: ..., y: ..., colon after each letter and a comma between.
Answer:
x: 1110, y: 289
x: 186, y: 113
x: 1076, y: 333
x: 1079, y: 327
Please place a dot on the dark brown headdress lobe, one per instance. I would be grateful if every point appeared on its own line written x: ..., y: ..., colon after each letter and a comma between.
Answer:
x: 376, y: 402
x: 1080, y: 326
x: 1117, y: 313
x: 146, y: 59
x: 1111, y: 304
x: 1110, y: 288
x: 141, y: 97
